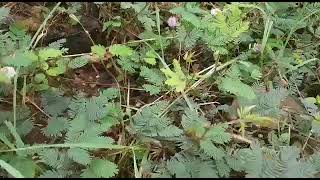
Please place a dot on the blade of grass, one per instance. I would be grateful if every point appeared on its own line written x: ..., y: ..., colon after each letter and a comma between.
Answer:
x: 266, y: 33
x: 15, y: 98
x: 11, y: 170
x: 136, y: 171
x: 19, y: 142
x: 69, y: 145
x: 159, y: 32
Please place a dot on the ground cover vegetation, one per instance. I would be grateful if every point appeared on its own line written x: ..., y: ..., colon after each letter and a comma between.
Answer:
x: 159, y: 89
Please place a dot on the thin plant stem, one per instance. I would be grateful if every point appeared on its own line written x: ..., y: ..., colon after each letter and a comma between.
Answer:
x: 15, y: 98
x: 43, y: 24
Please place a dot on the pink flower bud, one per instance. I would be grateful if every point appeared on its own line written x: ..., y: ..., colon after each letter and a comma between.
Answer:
x: 172, y: 22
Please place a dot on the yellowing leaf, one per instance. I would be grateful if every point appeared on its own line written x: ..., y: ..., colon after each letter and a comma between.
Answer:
x: 99, y: 50
x: 175, y: 79
x: 120, y: 50
x: 4, y: 78
x: 47, y: 53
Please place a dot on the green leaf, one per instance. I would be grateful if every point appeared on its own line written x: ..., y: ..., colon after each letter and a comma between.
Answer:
x: 19, y: 142
x: 151, y: 61
x: 47, y: 53
x: 110, y: 24
x: 256, y: 74
x: 153, y: 75
x: 187, y: 16
x: 218, y: 135
x: 53, y: 157
x: 79, y: 155
x: 25, y: 127
x: 59, y: 45
x: 39, y: 78
x: 31, y: 55
x: 211, y: 150
x: 26, y: 166
x: 53, y: 102
x: 19, y: 59
x: 148, y: 123
x: 175, y: 79
x: 78, y: 62
x: 193, y: 123
x: 151, y: 57
x: 56, y: 126
x: 235, y: 86
x: 120, y: 50
x: 6, y: 141
x: 129, y: 63
x: 99, y: 50
x: 152, y: 89
x: 4, y: 78
x: 147, y: 22
x: 60, y: 69
x: 103, y: 168
x: 11, y: 170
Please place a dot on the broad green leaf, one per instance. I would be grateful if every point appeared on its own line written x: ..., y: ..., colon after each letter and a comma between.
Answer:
x: 120, y: 50
x: 41, y: 87
x: 26, y: 166
x: 18, y: 59
x: 40, y: 77
x: 47, y: 53
x: 99, y: 50
x: 56, y: 71
x: 31, y: 55
x: 175, y: 79
x: 60, y: 69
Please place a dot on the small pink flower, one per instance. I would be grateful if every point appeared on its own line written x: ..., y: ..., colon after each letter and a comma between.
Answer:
x: 172, y: 22
x: 214, y: 11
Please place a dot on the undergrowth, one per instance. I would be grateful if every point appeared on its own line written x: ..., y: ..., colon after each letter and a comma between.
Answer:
x: 171, y: 90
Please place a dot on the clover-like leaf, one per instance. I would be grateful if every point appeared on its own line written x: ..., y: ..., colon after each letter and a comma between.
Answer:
x: 120, y: 50
x: 47, y: 53
x: 99, y: 50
